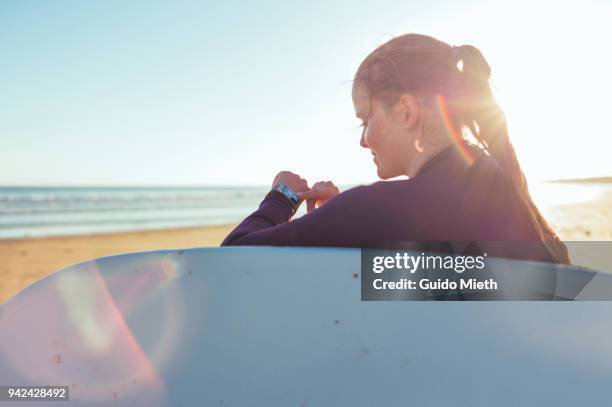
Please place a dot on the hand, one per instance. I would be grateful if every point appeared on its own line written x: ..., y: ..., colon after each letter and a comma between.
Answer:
x: 320, y: 193
x: 294, y: 181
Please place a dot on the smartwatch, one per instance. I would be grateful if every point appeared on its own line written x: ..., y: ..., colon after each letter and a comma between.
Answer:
x: 289, y: 194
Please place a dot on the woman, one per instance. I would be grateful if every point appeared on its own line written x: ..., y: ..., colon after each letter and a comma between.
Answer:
x: 428, y: 113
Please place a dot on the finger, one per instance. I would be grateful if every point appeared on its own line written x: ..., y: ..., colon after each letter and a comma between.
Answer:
x: 310, y: 205
x: 311, y: 194
x: 325, y: 193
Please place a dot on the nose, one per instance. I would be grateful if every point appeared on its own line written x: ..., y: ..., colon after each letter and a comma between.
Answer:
x: 362, y: 142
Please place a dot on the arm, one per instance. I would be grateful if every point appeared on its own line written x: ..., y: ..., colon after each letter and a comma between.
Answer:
x: 274, y: 210
x: 340, y: 222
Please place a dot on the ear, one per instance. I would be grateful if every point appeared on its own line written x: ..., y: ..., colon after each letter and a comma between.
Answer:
x: 408, y: 110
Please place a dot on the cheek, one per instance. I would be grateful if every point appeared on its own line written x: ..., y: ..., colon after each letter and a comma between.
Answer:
x: 375, y: 135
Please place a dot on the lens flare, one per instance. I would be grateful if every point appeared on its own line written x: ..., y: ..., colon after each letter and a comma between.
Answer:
x: 107, y: 328
x: 452, y: 131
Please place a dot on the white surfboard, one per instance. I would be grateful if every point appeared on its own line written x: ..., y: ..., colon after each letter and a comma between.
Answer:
x: 287, y: 327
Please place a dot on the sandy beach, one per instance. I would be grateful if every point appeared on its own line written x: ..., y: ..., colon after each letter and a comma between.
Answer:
x: 23, y: 261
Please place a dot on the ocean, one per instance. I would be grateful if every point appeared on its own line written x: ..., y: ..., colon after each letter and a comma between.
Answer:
x: 52, y: 211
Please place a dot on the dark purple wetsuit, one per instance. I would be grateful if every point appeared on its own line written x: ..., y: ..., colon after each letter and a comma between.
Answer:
x: 448, y: 200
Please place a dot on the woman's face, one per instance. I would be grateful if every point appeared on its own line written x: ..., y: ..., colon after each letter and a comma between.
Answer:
x: 387, y: 132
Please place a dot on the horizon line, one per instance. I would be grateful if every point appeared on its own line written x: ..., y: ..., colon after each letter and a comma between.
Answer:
x: 598, y: 179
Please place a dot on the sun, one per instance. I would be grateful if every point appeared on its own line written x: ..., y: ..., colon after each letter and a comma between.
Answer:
x: 551, y: 78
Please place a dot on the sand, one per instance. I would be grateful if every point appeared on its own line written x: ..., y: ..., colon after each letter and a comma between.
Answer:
x: 23, y: 261
x: 590, y: 220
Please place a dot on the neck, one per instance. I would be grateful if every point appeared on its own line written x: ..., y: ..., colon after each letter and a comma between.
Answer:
x: 420, y: 159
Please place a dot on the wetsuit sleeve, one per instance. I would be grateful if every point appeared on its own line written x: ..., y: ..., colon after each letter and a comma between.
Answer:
x: 340, y: 222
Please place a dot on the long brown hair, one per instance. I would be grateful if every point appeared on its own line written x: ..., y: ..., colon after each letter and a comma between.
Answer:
x: 427, y: 67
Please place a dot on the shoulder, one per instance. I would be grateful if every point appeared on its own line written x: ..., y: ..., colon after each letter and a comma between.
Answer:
x: 379, y: 188
x: 493, y: 201
x: 398, y: 199
x: 489, y: 181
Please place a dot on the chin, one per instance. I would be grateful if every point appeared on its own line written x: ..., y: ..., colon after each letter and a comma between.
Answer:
x: 385, y: 174
x: 382, y: 174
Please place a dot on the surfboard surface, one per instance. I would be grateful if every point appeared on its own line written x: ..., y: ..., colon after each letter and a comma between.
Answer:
x: 287, y: 327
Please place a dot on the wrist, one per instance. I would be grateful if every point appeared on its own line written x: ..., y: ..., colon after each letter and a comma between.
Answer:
x: 288, y: 194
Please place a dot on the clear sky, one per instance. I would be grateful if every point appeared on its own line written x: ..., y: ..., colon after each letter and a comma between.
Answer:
x: 229, y: 93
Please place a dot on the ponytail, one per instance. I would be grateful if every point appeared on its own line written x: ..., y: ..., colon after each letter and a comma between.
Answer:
x: 479, y: 111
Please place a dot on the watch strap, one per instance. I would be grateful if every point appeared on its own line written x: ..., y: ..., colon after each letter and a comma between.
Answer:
x: 288, y: 193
